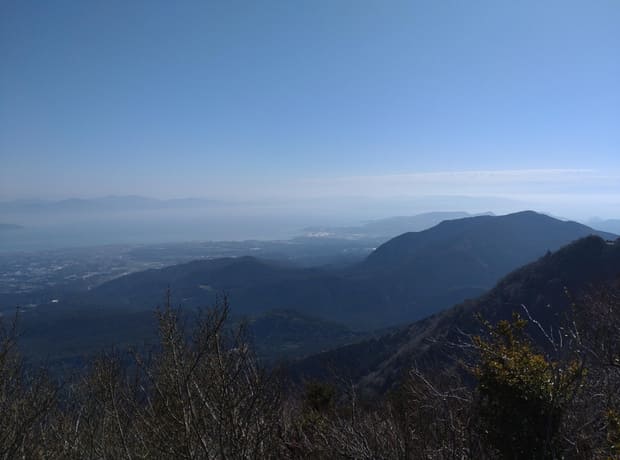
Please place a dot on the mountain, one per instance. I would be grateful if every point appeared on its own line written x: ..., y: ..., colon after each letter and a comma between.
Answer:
x: 407, y: 278
x: 541, y: 286
x: 501, y: 239
x: 457, y: 259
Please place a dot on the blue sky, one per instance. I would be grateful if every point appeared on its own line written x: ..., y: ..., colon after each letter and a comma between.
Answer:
x: 310, y: 99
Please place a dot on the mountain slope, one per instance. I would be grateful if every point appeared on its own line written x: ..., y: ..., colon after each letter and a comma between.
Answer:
x: 440, y: 273
x: 497, y: 239
x: 407, y: 278
x: 253, y: 286
x: 541, y: 286
x: 458, y: 259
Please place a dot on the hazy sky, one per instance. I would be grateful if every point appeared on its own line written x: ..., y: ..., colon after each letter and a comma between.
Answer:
x: 311, y: 99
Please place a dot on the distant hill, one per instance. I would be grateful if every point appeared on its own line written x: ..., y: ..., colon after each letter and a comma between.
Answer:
x: 406, y: 279
x: 195, y: 283
x: 254, y: 286
x: 541, y: 286
x: 409, y: 277
x: 608, y: 225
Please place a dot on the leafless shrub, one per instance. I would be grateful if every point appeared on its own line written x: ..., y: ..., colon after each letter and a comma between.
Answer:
x: 26, y: 400
x: 200, y: 394
x: 206, y: 397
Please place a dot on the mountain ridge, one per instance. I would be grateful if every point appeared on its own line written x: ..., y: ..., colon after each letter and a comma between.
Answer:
x: 541, y: 286
x: 440, y: 266
x: 358, y: 299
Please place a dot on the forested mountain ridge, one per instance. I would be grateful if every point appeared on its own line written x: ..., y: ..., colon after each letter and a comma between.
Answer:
x: 210, y: 375
x: 408, y: 277
x: 546, y: 287
x: 205, y: 392
x: 488, y: 239
x: 431, y: 271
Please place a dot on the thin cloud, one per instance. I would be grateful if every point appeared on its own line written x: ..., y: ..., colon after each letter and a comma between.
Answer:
x: 474, y: 183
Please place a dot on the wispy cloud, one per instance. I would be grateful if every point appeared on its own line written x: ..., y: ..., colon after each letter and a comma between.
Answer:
x: 505, y: 183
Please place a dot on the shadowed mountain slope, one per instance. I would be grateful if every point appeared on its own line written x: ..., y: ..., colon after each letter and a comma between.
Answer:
x: 457, y: 259
x: 407, y: 278
x: 541, y: 286
x: 430, y: 271
x: 489, y: 242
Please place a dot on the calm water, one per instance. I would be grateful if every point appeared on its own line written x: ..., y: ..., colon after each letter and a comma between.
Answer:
x: 90, y: 233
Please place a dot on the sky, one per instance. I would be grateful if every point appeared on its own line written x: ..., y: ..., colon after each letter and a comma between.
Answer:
x: 312, y: 100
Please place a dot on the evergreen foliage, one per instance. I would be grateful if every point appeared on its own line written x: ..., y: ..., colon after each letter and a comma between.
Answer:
x: 522, y: 394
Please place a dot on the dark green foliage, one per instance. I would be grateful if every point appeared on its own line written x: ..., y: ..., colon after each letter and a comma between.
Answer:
x: 522, y: 395
x: 319, y: 397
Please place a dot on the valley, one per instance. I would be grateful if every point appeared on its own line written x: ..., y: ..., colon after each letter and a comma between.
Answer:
x: 299, y: 297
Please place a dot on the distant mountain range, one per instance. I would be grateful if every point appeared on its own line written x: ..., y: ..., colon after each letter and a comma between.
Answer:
x: 412, y: 276
x: 608, y: 225
x: 541, y: 286
x: 408, y: 277
x: 109, y: 203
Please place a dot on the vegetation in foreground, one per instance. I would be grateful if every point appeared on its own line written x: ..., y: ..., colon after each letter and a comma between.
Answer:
x: 202, y: 395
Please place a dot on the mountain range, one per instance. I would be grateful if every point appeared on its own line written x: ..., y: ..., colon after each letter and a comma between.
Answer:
x: 408, y: 278
x: 544, y: 290
x: 108, y: 203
